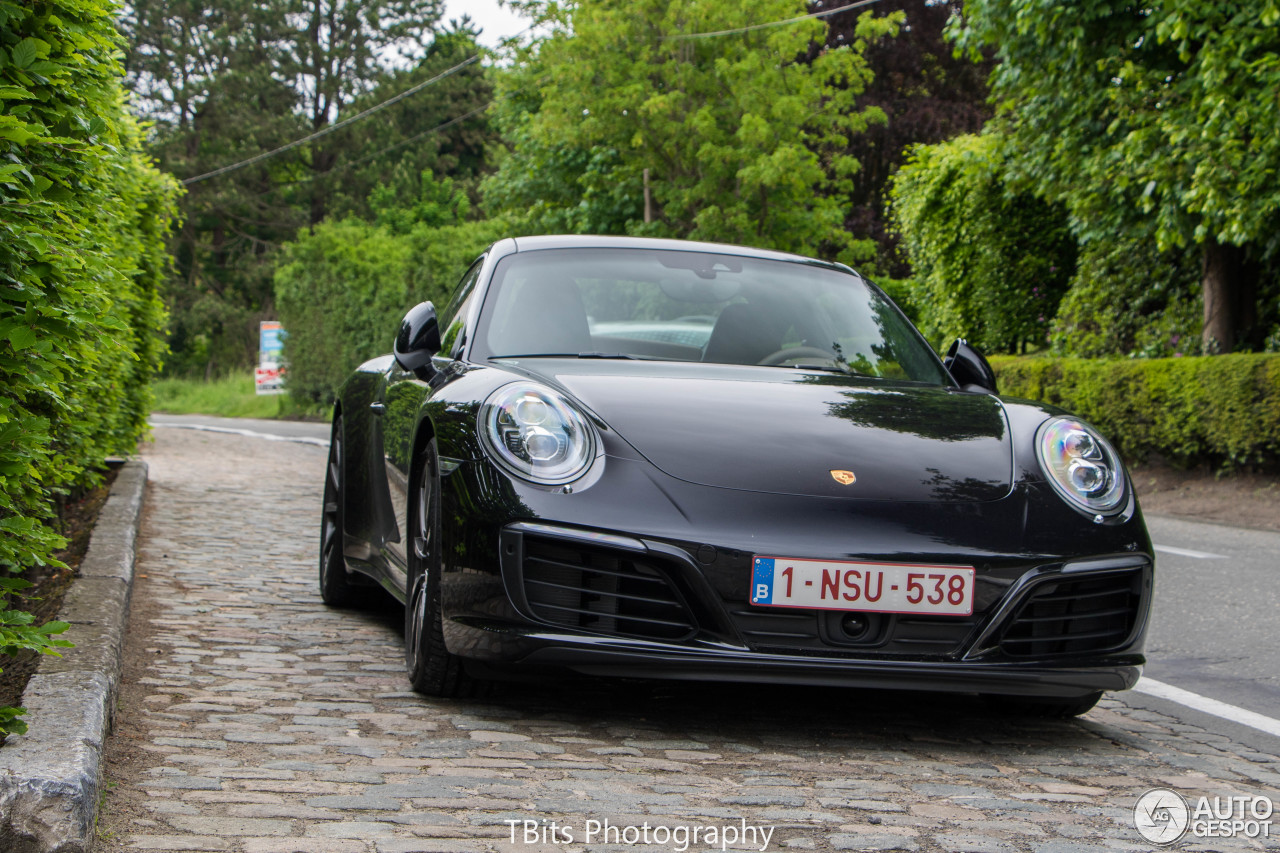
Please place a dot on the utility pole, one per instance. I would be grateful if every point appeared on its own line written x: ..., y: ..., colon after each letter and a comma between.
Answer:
x: 648, y: 205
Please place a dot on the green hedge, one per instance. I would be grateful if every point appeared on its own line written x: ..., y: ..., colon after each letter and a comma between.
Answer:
x: 339, y: 293
x: 990, y: 264
x: 83, y: 217
x: 344, y: 287
x: 1222, y: 410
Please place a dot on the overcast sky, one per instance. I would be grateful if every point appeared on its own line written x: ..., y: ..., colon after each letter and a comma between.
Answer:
x: 494, y: 22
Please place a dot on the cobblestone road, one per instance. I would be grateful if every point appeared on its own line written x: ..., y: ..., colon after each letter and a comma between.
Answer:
x: 255, y: 719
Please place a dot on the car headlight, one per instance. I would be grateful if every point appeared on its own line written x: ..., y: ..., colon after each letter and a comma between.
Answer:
x: 1081, y: 465
x: 534, y: 433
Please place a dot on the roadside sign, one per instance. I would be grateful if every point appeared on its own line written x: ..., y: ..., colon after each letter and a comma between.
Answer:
x: 269, y: 377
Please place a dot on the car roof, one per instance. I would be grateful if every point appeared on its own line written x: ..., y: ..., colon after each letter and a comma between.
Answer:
x: 581, y: 241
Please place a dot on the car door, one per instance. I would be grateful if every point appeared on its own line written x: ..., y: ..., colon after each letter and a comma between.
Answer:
x: 404, y: 394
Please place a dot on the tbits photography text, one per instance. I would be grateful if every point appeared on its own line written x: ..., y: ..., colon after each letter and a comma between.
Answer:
x: 678, y: 837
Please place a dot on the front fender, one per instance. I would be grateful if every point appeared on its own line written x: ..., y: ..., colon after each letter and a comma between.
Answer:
x: 364, y: 482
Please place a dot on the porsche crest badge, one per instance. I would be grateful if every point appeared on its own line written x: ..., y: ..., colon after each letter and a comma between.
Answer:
x: 844, y: 478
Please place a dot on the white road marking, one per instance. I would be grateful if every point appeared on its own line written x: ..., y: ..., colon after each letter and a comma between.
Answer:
x: 1235, y: 714
x: 1187, y: 552
x: 297, y: 439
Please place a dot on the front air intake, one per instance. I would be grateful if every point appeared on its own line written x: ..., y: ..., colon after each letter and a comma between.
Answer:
x: 1075, y: 615
x: 588, y: 588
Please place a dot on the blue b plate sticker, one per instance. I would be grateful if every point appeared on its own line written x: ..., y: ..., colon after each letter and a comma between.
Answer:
x: 762, y: 581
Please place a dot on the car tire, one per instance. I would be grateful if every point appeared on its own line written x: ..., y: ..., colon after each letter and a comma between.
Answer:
x: 433, y: 671
x: 336, y: 588
x: 1044, y: 708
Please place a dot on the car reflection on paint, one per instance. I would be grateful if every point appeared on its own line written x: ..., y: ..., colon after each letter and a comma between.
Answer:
x: 683, y: 460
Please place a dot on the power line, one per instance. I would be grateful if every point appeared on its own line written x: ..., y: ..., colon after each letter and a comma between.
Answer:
x: 439, y: 127
x: 333, y: 127
x: 733, y: 32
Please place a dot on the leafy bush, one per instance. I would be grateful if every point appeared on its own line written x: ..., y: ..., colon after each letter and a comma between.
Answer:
x: 340, y: 291
x: 81, y: 259
x: 440, y: 255
x: 901, y: 292
x: 989, y: 264
x: 1223, y: 410
x: 437, y: 202
x: 345, y: 286
x: 1130, y: 298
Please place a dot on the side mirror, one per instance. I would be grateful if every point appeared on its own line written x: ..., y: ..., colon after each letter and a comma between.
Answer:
x: 418, y: 339
x: 968, y: 368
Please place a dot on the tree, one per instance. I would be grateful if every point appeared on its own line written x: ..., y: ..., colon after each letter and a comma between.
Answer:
x: 202, y: 76
x: 443, y: 129
x: 928, y: 94
x: 178, y: 53
x: 341, y: 292
x: 224, y: 82
x: 1159, y: 111
x: 742, y: 142
x: 338, y: 51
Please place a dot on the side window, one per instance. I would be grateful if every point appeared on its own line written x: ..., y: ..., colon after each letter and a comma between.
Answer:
x: 454, y: 317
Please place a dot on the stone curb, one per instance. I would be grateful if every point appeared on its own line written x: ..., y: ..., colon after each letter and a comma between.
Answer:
x: 50, y: 778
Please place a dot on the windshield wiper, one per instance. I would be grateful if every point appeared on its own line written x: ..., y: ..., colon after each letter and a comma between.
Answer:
x: 625, y: 355
x: 835, y: 367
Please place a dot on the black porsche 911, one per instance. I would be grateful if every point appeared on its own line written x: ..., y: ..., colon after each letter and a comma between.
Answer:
x: 665, y: 459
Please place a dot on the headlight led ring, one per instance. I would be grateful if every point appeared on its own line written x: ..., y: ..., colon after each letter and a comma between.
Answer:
x: 532, y: 432
x: 1081, y: 465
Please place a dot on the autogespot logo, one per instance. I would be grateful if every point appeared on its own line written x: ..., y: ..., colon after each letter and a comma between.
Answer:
x: 1161, y: 816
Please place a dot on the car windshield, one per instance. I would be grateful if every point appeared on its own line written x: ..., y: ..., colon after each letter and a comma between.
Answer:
x: 697, y: 307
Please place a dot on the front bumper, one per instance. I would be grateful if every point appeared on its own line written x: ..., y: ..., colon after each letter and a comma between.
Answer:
x: 682, y: 664
x: 607, y: 604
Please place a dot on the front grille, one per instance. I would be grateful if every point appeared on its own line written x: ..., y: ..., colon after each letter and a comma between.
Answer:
x: 931, y: 635
x: 594, y: 589
x: 1074, y: 615
x: 764, y: 628
x: 768, y: 629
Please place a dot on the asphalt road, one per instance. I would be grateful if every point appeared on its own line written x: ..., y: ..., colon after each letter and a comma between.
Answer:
x: 1217, y: 610
x: 1214, y: 625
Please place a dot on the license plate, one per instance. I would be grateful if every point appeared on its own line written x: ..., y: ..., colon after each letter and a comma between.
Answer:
x: 867, y: 587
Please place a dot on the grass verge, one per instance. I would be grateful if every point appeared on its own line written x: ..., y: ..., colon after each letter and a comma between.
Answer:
x: 229, y: 397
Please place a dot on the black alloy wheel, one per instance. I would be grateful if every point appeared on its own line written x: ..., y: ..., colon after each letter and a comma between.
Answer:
x: 335, y: 587
x: 433, y: 671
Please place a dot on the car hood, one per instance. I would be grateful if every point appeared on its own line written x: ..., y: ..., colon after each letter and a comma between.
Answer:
x: 794, y: 432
